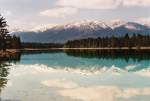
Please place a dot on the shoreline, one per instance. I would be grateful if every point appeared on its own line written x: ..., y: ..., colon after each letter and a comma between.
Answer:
x: 12, y: 52
x: 123, y: 48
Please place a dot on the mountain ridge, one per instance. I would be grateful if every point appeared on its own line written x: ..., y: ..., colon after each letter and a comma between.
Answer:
x: 81, y: 30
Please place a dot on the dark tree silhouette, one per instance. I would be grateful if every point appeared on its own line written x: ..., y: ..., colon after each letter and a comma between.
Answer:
x: 137, y: 41
x: 3, y: 33
x: 6, y: 40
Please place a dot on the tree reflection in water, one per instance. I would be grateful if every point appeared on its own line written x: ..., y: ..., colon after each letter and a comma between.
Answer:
x: 135, y: 55
x: 4, y: 69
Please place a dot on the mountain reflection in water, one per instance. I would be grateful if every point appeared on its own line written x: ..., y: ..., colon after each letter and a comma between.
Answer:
x: 75, y: 59
x: 126, y: 55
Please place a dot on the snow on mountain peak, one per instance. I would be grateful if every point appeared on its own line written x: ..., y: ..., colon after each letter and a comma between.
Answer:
x: 90, y: 26
x: 116, y: 23
x: 85, y: 25
x: 132, y: 26
x: 135, y: 26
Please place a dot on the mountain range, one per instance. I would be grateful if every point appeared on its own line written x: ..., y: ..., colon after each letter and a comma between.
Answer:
x: 82, y: 30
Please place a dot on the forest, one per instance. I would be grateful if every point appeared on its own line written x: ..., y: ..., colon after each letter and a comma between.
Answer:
x: 136, y: 41
x: 41, y: 45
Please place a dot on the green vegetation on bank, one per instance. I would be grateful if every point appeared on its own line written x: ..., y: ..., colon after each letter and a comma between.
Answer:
x: 127, y: 42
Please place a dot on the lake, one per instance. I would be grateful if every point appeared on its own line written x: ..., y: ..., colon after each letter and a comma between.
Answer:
x: 76, y: 76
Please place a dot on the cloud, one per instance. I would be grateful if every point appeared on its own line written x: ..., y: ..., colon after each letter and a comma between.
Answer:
x: 102, y: 4
x: 60, y: 83
x: 103, y: 93
x: 60, y: 12
x: 90, y: 4
x: 73, y: 90
x: 136, y: 2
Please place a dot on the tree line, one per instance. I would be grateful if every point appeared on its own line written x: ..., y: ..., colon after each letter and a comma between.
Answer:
x: 136, y: 40
x: 41, y: 45
x: 6, y: 40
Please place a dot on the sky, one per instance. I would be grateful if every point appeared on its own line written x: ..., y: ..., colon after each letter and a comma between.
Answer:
x: 35, y: 14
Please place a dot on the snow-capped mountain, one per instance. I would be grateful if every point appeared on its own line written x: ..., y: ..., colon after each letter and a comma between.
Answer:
x: 85, y: 29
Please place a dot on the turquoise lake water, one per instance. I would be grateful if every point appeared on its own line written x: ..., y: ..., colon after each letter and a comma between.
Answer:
x: 63, y: 60
x: 69, y: 76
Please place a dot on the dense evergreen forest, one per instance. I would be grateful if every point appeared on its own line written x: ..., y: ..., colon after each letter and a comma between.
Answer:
x: 6, y: 40
x: 137, y: 41
x: 41, y: 45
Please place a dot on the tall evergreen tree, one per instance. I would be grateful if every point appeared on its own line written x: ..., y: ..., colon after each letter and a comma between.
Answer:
x: 3, y: 33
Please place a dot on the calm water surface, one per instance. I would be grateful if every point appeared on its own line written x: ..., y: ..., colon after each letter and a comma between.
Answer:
x: 76, y: 76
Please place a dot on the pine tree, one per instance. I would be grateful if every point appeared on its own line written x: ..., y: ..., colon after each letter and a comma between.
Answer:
x: 3, y: 33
